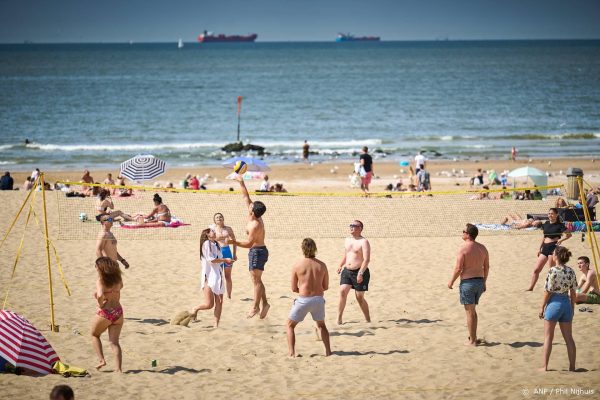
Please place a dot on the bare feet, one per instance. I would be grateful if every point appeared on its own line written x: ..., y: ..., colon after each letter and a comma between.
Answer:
x: 264, y: 311
x: 252, y: 313
x: 101, y: 364
x: 543, y: 369
x: 339, y: 321
x: 194, y: 314
x: 470, y: 342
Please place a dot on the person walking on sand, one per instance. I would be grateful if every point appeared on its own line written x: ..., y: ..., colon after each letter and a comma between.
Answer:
x: 472, y: 265
x: 258, y: 254
x: 211, y: 278
x: 310, y: 280
x: 513, y: 153
x: 106, y: 246
x: 305, y: 151
x: 558, y: 305
x: 354, y: 269
x: 223, y: 232
x: 110, y: 313
x: 366, y: 170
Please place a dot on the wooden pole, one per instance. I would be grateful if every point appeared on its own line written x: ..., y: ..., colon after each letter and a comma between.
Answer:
x: 53, y: 326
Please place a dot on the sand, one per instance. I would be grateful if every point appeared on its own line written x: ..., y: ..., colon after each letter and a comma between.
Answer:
x: 413, y: 348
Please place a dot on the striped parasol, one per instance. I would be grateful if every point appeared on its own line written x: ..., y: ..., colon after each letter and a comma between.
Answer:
x: 22, y: 345
x: 143, y: 168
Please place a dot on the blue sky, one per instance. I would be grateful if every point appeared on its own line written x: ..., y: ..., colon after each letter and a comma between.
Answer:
x: 287, y: 20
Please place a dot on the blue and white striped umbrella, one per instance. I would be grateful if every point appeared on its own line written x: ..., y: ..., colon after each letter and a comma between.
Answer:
x: 143, y: 168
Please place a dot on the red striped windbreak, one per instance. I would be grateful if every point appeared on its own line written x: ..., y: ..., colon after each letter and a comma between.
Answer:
x: 22, y: 345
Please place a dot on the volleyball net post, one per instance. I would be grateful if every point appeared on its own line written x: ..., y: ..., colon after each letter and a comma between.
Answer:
x: 590, y: 231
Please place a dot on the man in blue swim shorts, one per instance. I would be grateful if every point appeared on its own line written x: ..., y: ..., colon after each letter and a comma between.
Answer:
x: 258, y: 253
x: 472, y: 265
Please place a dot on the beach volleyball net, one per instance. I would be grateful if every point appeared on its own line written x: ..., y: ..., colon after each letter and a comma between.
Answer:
x: 317, y: 215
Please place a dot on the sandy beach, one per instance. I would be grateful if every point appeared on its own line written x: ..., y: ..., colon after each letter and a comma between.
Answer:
x: 413, y: 348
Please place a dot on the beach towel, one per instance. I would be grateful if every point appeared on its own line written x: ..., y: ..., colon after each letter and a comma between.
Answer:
x: 579, y: 226
x: 68, y: 370
x: 175, y: 223
x: 501, y: 227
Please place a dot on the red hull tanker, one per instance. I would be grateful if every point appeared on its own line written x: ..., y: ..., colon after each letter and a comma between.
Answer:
x: 208, y: 37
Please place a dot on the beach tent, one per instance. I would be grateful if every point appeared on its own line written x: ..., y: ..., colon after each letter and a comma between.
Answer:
x: 538, y: 177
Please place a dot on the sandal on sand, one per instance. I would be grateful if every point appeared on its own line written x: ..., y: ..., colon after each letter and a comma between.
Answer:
x: 586, y: 309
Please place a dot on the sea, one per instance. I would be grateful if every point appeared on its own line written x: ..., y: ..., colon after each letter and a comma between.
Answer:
x: 96, y: 105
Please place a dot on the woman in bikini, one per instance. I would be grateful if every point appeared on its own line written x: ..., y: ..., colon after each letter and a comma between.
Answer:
x: 105, y: 203
x: 212, y: 275
x: 160, y: 215
x: 110, y: 313
x: 222, y: 233
x: 553, y: 231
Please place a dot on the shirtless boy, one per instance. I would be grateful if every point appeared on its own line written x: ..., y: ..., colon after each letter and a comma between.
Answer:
x: 354, y: 269
x: 258, y: 253
x: 587, y: 288
x: 106, y: 246
x: 310, y: 280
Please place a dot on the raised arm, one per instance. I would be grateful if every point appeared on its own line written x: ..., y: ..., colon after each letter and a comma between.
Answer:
x: 244, y: 190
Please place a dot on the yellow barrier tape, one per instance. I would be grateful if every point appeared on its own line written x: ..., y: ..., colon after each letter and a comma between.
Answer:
x: 313, y: 194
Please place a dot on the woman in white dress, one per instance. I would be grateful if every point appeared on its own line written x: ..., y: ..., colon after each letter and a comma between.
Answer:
x: 212, y: 277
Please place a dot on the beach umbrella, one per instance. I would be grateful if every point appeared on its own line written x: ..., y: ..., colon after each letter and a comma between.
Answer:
x: 254, y: 164
x: 143, y: 168
x: 22, y: 345
x: 538, y: 177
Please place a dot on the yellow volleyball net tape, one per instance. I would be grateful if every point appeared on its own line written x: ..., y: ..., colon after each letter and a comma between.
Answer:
x: 302, y: 214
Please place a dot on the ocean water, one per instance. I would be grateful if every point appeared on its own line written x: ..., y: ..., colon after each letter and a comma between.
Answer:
x: 99, y: 104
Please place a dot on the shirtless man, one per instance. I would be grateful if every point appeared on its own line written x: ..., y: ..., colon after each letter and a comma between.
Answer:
x: 107, y: 243
x: 587, y: 288
x: 258, y: 253
x: 87, y: 190
x: 472, y: 265
x: 310, y: 280
x: 354, y: 270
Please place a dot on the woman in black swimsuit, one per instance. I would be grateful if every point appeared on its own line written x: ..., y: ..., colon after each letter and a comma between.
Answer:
x: 553, y: 231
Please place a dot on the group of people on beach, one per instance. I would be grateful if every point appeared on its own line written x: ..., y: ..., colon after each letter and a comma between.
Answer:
x: 562, y: 290
x: 310, y: 278
x: 218, y: 252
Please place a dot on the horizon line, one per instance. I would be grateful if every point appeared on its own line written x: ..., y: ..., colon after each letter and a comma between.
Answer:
x: 31, y: 42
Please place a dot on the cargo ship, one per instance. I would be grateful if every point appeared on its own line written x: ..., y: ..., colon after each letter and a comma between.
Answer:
x: 209, y: 37
x: 346, y: 37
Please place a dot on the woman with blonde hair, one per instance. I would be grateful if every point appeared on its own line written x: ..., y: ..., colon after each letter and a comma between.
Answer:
x: 110, y: 313
x: 212, y: 275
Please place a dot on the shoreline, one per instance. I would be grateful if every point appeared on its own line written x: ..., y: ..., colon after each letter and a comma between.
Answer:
x: 333, y: 175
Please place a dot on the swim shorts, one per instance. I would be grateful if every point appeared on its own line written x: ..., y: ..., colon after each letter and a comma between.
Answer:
x: 471, y: 290
x: 258, y: 257
x: 349, y: 277
x: 366, y: 180
x: 559, y: 308
x: 593, y: 298
x: 226, y: 253
x: 548, y: 248
x: 315, y: 305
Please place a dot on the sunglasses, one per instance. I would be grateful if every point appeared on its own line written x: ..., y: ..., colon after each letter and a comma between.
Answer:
x: 464, y: 231
x: 354, y: 226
